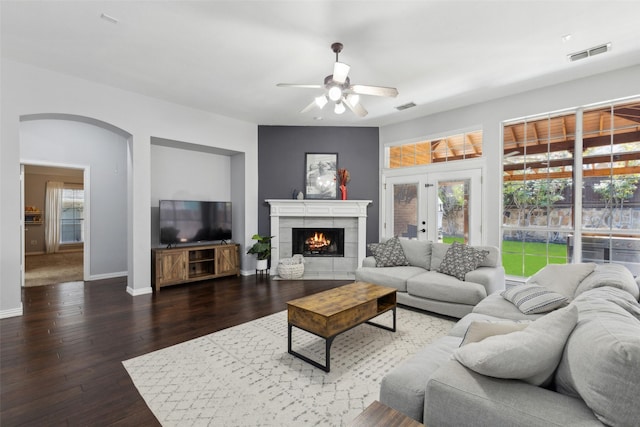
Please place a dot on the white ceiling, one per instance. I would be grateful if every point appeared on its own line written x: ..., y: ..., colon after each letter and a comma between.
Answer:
x: 227, y: 56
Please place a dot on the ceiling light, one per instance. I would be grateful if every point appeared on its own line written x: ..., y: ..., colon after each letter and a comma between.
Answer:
x: 335, y: 93
x: 353, y: 99
x: 339, y: 109
x: 321, y: 101
x: 566, y: 38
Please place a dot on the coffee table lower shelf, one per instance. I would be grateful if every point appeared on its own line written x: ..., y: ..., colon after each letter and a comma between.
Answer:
x: 329, y: 340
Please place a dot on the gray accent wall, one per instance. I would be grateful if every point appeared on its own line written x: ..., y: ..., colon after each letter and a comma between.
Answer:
x: 281, y: 163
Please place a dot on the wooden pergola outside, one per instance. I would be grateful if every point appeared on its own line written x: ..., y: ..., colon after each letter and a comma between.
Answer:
x: 544, y: 148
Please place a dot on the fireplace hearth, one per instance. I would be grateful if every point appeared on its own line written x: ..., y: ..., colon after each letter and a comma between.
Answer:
x: 318, y: 242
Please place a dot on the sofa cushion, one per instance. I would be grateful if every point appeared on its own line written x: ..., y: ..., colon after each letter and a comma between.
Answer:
x: 531, y: 355
x: 418, y: 252
x: 496, y: 305
x: 479, y: 330
x: 614, y: 275
x: 460, y: 259
x: 601, y: 361
x: 442, y: 287
x: 461, y: 326
x: 562, y: 278
x: 394, y: 277
x: 493, y: 258
x: 389, y: 253
x: 438, y: 251
x: 404, y: 386
x: 459, y: 397
x: 534, y: 299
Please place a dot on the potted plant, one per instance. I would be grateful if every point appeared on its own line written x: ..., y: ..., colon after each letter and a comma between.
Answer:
x: 262, y: 248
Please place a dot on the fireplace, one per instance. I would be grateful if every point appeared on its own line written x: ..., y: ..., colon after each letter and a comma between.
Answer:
x: 318, y: 242
x: 350, y: 215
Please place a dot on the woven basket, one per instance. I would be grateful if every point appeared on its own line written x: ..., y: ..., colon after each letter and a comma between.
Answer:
x: 291, y: 268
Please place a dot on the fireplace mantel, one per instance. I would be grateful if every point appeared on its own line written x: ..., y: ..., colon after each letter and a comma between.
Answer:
x: 320, y: 208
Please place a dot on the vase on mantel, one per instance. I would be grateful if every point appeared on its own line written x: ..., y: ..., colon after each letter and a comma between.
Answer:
x: 343, y: 192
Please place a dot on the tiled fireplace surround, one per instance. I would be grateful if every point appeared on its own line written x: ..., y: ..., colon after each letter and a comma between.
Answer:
x: 348, y: 214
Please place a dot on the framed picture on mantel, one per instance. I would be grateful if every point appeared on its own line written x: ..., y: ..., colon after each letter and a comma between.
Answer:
x: 320, y: 175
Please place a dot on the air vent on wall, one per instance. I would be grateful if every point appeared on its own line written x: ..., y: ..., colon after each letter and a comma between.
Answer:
x: 405, y: 106
x: 589, y: 52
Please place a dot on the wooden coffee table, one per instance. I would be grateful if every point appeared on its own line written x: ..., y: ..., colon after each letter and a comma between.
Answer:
x: 330, y: 313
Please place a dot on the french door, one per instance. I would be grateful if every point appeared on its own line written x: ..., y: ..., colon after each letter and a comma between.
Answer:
x: 438, y: 206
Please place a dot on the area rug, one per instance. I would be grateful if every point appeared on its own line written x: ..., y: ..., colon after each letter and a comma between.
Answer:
x: 49, y: 269
x: 244, y: 376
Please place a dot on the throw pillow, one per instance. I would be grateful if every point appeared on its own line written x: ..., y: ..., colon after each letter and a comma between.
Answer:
x: 532, y: 299
x: 562, y: 278
x: 389, y: 253
x: 601, y: 360
x: 461, y: 259
x: 530, y: 355
x: 477, y: 331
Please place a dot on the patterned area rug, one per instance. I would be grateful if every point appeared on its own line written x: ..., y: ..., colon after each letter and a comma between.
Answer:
x: 244, y: 376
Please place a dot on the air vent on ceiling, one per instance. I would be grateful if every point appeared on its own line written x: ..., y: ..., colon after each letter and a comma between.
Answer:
x: 597, y: 50
x: 405, y: 106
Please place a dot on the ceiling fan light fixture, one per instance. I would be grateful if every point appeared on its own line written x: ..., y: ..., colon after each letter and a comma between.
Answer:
x: 339, y: 90
x: 321, y: 101
x: 335, y: 93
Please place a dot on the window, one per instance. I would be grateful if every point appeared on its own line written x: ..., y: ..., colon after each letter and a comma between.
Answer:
x: 72, y: 218
x: 560, y: 185
x: 454, y: 147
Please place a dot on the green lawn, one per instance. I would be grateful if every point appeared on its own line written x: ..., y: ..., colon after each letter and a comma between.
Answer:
x: 526, y: 258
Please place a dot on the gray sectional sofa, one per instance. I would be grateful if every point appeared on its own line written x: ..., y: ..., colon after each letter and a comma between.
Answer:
x: 586, y: 357
x: 421, y: 285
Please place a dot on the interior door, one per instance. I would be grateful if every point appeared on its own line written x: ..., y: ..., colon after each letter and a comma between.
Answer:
x: 439, y: 206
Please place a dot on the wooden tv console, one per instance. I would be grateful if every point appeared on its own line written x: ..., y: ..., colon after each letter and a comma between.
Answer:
x: 172, y: 266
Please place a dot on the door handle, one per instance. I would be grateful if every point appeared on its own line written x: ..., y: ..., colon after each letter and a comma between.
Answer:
x: 423, y: 230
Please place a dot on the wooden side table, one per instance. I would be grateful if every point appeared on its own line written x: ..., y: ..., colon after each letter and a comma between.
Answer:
x: 380, y: 415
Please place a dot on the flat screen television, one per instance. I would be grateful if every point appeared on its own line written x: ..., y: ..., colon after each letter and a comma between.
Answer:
x: 190, y: 221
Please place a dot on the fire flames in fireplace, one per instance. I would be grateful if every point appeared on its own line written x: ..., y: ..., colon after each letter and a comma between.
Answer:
x: 317, y: 242
x: 312, y: 242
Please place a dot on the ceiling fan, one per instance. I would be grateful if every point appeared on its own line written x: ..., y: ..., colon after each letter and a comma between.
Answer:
x: 338, y: 88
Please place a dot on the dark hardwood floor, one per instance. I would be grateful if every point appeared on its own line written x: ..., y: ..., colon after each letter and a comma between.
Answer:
x: 61, y: 362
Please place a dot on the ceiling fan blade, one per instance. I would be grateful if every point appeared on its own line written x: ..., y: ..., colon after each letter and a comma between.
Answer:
x: 299, y: 86
x: 356, y: 108
x: 309, y: 107
x: 374, y: 90
x: 340, y: 72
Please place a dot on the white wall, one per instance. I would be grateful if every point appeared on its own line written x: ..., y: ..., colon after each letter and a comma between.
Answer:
x: 489, y: 115
x: 179, y: 174
x: 68, y: 142
x: 30, y: 90
x: 188, y: 175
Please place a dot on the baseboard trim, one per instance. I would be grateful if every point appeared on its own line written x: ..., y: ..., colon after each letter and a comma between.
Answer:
x: 107, y: 275
x: 136, y: 292
x: 12, y: 312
